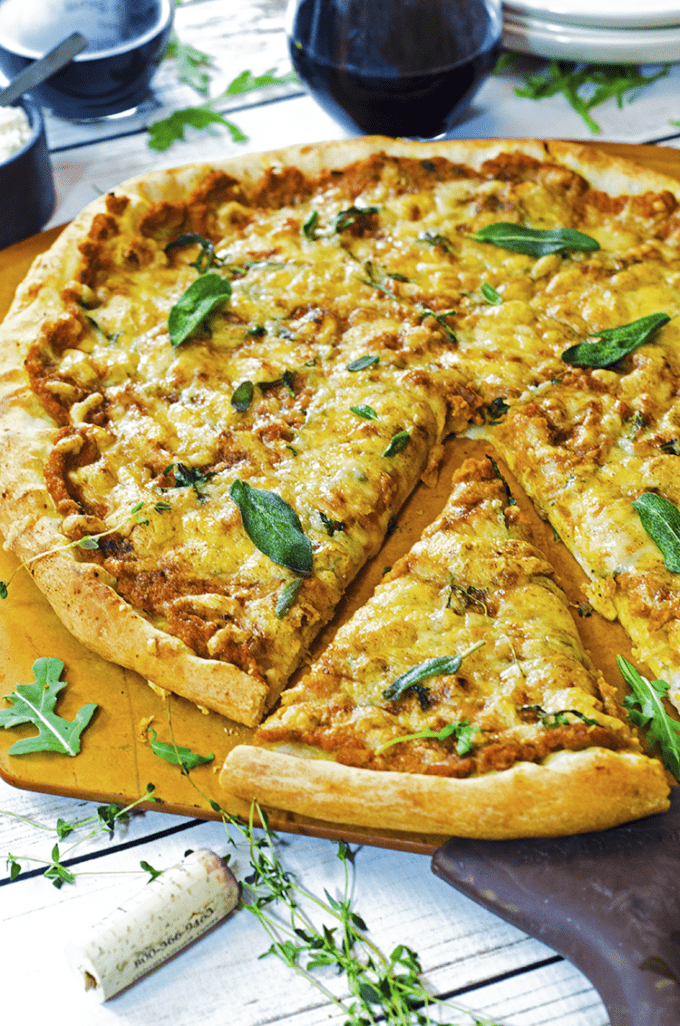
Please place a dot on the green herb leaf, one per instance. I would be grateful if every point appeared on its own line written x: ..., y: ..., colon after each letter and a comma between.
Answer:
x: 659, y: 727
x: 273, y: 527
x: 163, y: 133
x: 246, y: 81
x: 242, y: 396
x: 34, y: 703
x: 366, y: 412
x: 432, y: 239
x: 362, y: 363
x: 177, y: 756
x: 331, y: 525
x: 423, y: 671
x: 615, y: 343
x: 200, y: 299
x: 661, y: 520
x: 190, y: 477
x: 490, y: 294
x: 309, y: 229
x: 189, y: 62
x: 148, y: 868
x: 497, y: 409
x: 558, y: 719
x: 353, y: 215
x: 460, y: 729
x: 88, y: 542
x: 206, y: 257
x: 287, y: 597
x: 3, y: 589
x: 535, y: 242
x: 397, y: 443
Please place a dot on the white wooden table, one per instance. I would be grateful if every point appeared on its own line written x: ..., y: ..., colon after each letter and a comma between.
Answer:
x: 466, y: 952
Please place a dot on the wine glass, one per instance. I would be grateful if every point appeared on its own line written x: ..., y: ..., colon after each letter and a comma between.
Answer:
x: 394, y: 67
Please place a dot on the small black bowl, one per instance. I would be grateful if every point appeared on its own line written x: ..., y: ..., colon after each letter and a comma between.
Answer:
x: 101, y: 82
x: 27, y: 196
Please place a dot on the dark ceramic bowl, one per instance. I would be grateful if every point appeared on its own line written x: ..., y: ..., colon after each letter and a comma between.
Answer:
x: 101, y: 82
x: 27, y: 196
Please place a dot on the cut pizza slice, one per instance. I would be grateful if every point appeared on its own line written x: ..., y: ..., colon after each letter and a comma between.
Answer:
x: 458, y: 700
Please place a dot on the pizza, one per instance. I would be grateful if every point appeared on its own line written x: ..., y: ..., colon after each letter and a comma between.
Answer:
x: 459, y: 698
x: 220, y: 385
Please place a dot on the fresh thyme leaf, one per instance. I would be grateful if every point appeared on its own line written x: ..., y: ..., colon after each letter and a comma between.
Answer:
x: 433, y: 239
x: 497, y: 409
x: 3, y: 589
x: 330, y: 525
x: 242, y: 396
x: 490, y: 294
x: 190, y: 477
x: 56, y: 872
x: 34, y: 703
x: 661, y: 520
x: 87, y: 542
x: 206, y: 257
x: 440, y: 317
x: 397, y: 443
x: 153, y: 873
x: 309, y: 228
x: 558, y: 719
x: 536, y: 242
x: 362, y: 363
x: 177, y: 756
x: 615, y: 343
x: 423, y: 671
x: 200, y: 299
x: 652, y: 717
x: 287, y: 597
x: 273, y: 527
x: 366, y: 412
x: 163, y: 133
x: 588, y: 85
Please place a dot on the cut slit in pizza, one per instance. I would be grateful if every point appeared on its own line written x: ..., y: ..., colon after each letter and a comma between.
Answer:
x: 458, y: 699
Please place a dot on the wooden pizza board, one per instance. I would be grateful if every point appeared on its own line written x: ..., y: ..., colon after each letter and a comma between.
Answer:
x: 116, y: 761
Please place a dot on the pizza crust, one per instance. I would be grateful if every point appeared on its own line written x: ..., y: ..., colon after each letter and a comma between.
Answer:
x: 568, y: 793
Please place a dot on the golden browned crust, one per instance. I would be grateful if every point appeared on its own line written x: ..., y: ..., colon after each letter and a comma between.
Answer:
x: 570, y: 792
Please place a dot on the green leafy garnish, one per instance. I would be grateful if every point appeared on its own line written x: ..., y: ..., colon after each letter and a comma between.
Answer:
x: 190, y: 477
x: 490, y: 294
x: 200, y: 299
x: 246, y: 81
x: 536, y: 242
x: 273, y: 527
x: 331, y: 525
x: 190, y: 61
x: 309, y: 229
x: 588, y: 85
x: 433, y: 239
x: 397, y: 443
x: 411, y: 679
x: 651, y: 715
x: 163, y: 133
x: 34, y: 703
x: 287, y: 597
x: 177, y: 756
x: 362, y: 363
x: 205, y: 258
x: 497, y: 409
x: 615, y: 343
x: 661, y: 520
x: 460, y: 729
x: 242, y: 396
x: 560, y: 718
x: 353, y: 215
x: 441, y: 319
x: 366, y: 412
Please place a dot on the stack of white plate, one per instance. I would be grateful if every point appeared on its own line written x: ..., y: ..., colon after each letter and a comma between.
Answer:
x: 603, y: 31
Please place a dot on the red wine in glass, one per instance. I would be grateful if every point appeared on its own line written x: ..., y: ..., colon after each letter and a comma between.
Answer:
x: 394, y: 67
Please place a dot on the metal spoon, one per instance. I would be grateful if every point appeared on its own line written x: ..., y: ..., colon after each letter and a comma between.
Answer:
x: 39, y: 70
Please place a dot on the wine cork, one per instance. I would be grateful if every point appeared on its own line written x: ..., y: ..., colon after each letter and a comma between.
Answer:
x: 171, y: 912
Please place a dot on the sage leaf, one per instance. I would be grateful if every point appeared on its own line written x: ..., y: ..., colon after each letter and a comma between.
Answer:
x: 34, y: 703
x: 536, y: 242
x: 177, y: 756
x: 362, y: 363
x: 397, y: 443
x: 661, y: 520
x: 366, y: 412
x: 287, y: 597
x: 423, y: 671
x: 615, y: 343
x: 490, y: 294
x: 273, y: 527
x: 242, y: 396
x: 659, y: 727
x: 199, y: 300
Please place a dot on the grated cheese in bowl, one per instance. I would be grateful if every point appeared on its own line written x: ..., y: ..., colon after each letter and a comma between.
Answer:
x: 15, y: 131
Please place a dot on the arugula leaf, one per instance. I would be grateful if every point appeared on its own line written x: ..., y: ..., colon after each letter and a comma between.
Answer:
x: 34, y: 703
x: 273, y: 527
x: 287, y: 597
x: 588, y: 85
x: 189, y: 62
x: 423, y: 671
x: 163, y: 133
x: 191, y: 309
x: 460, y: 729
x: 246, y: 81
x: 559, y: 718
x: 177, y: 756
x: 659, y: 727
x: 615, y: 343
x: 535, y: 242
x: 661, y: 520
x: 206, y: 257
